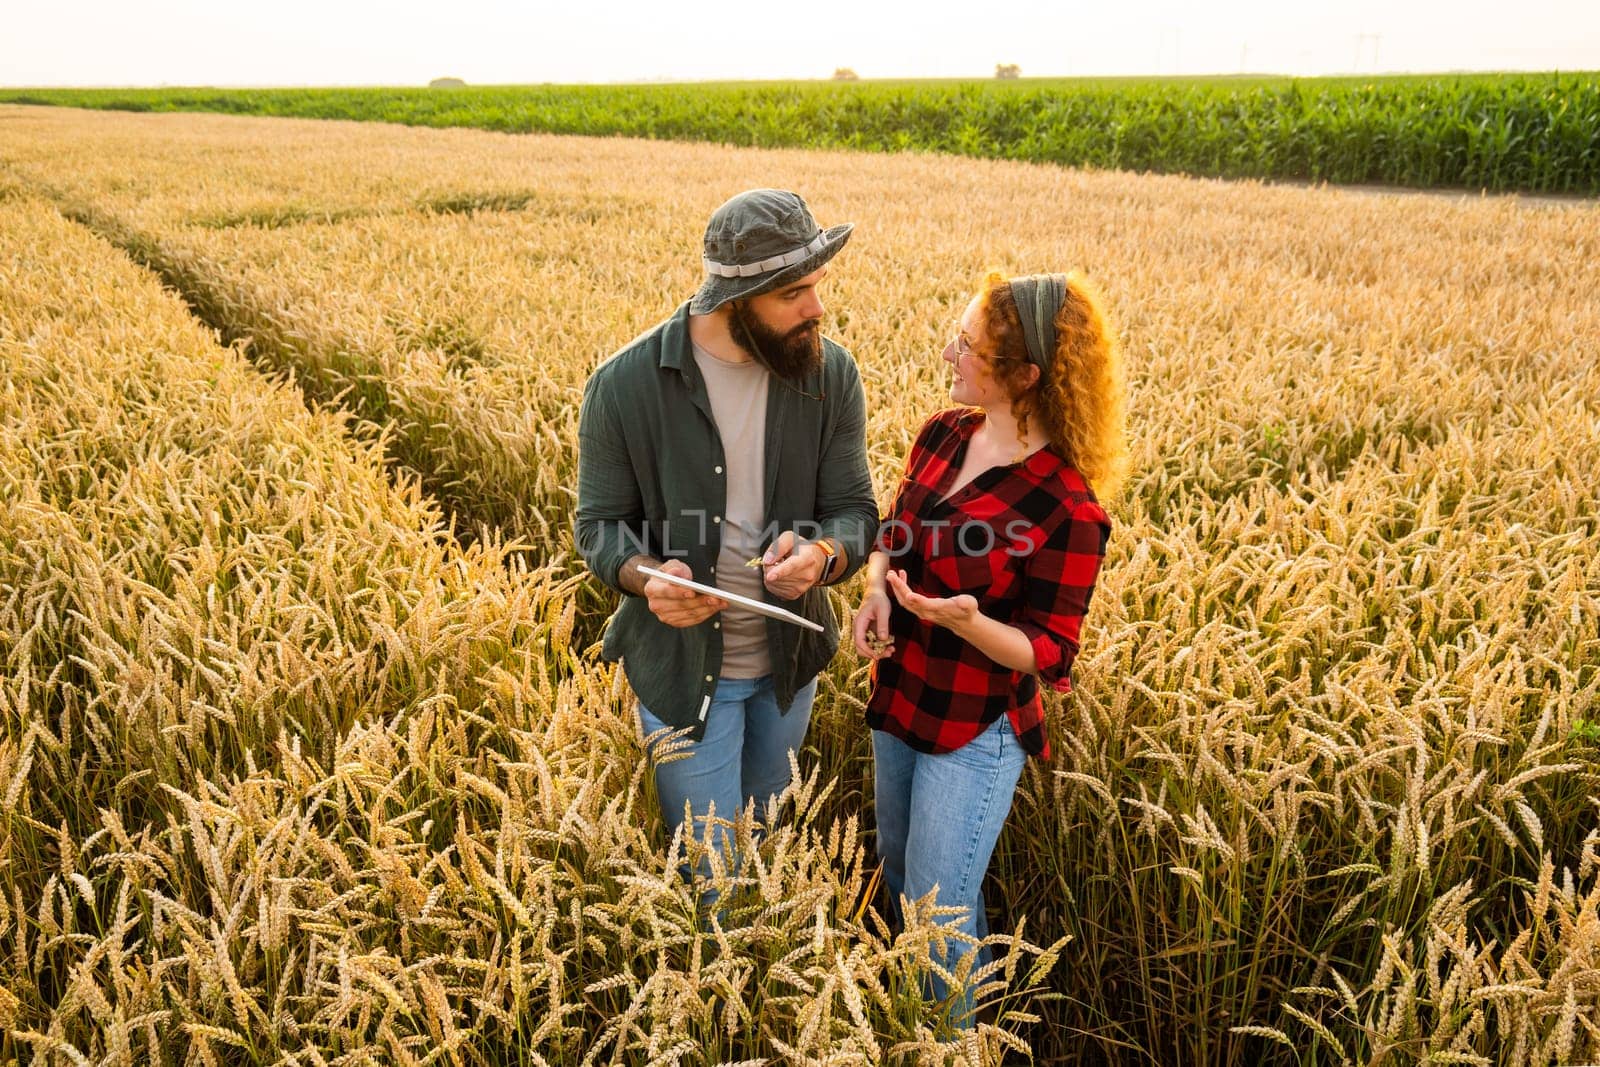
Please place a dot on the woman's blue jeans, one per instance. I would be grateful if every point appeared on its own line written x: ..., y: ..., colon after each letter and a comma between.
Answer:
x: 743, y: 756
x: 939, y: 817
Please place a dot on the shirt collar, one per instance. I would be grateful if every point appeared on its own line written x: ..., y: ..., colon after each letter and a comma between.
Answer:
x: 675, y: 340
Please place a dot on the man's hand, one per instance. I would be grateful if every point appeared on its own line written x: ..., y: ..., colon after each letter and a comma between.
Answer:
x: 675, y: 605
x: 793, y: 566
x: 953, y: 613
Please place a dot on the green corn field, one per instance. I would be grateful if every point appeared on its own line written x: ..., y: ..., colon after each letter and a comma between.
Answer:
x: 1529, y: 132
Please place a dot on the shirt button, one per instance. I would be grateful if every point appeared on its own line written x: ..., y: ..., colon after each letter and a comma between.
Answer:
x: 716, y: 518
x: 713, y: 570
x: 716, y: 626
x: 708, y: 677
x: 719, y: 470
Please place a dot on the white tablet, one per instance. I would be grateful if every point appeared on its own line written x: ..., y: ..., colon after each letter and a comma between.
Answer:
x: 760, y: 607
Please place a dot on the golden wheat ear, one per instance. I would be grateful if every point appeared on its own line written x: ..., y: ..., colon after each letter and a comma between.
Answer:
x: 867, y: 894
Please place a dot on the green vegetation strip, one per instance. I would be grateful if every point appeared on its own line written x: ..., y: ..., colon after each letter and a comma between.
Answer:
x: 1528, y: 132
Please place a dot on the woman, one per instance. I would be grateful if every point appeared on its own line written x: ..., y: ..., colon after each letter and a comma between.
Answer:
x: 982, y: 576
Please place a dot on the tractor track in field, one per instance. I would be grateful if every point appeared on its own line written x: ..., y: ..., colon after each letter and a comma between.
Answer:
x: 367, y: 417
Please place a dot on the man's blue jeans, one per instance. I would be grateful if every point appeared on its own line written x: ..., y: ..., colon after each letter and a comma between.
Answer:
x: 939, y: 817
x: 744, y: 754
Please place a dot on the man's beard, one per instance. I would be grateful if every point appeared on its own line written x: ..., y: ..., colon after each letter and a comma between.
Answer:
x: 791, y: 355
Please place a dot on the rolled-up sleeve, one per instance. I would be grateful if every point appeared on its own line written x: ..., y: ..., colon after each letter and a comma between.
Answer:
x: 610, y: 518
x: 846, y: 508
x: 1059, y: 581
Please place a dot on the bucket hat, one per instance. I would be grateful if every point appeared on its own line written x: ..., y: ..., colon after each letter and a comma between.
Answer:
x: 761, y: 240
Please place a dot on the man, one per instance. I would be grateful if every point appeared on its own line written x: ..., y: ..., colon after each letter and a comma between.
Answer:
x: 731, y: 432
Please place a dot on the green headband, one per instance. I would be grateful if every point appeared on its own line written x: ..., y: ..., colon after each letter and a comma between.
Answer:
x: 1039, y: 297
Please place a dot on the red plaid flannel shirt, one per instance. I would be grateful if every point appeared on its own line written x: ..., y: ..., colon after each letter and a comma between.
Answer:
x: 1026, y: 541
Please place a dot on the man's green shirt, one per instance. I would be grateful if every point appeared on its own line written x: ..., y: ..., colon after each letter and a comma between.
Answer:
x: 651, y: 479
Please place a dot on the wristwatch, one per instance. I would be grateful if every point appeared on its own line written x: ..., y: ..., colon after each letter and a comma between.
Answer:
x: 831, y: 554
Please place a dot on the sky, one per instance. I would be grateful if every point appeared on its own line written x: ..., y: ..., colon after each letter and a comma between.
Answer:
x: 403, y: 42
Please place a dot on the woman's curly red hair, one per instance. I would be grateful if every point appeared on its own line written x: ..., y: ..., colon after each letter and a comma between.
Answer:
x: 1080, y: 400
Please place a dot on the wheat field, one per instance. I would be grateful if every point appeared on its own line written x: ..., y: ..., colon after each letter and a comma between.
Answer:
x: 308, y: 757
